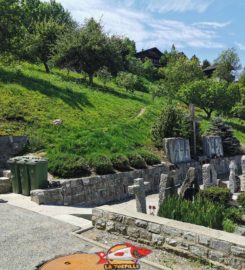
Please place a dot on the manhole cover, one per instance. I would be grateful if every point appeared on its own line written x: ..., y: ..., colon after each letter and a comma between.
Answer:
x: 73, y: 262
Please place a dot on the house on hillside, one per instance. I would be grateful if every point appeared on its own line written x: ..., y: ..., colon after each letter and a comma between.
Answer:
x: 208, y: 71
x: 154, y: 54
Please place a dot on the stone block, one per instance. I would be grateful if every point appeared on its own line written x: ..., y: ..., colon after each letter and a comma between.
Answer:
x: 198, y: 251
x: 133, y: 232
x: 110, y: 226
x: 172, y: 242
x: 141, y: 223
x: 238, y: 251
x: 216, y: 256
x: 177, y: 150
x: 37, y: 196
x: 120, y: 228
x: 236, y: 263
x: 157, y: 239
x: 5, y: 185
x: 100, y: 224
x: 145, y: 235
x: 220, y: 245
x: 170, y: 231
x: 189, y: 236
x: 212, y: 146
x: 203, y: 240
x: 155, y: 228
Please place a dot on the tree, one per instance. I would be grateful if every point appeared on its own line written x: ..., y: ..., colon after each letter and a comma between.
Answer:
x: 86, y: 48
x: 11, y: 27
x: 209, y: 95
x: 227, y: 64
x: 104, y: 75
x: 242, y: 78
x: 205, y: 64
x: 171, y: 123
x: 43, y: 40
x: 127, y: 80
x: 179, y: 72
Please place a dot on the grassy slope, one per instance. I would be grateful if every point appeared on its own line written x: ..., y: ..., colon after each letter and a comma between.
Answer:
x: 95, y: 120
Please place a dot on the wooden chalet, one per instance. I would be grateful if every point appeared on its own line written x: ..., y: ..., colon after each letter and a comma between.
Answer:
x: 153, y: 54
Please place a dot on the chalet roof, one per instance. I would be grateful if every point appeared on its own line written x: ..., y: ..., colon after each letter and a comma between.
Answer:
x: 210, y: 68
x: 151, y: 53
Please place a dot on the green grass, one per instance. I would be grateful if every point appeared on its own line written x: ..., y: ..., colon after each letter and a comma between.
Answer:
x: 96, y: 120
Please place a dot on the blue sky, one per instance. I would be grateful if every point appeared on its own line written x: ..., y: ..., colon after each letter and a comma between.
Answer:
x: 201, y: 27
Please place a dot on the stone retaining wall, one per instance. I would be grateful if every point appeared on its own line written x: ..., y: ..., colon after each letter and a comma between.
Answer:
x: 10, y: 146
x: 101, y: 189
x: 219, y: 247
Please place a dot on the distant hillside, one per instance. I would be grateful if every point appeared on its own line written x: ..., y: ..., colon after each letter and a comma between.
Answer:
x: 95, y: 120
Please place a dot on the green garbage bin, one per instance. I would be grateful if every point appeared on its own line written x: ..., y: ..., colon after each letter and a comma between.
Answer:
x: 38, y: 173
x: 24, y: 176
x: 16, y: 183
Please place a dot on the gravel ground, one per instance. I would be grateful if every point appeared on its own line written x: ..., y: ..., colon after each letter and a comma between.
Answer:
x: 157, y: 256
x: 28, y: 238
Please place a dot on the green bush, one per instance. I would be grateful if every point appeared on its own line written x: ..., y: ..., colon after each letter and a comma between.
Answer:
x: 171, y: 123
x: 241, y: 199
x: 68, y: 166
x: 229, y: 225
x: 121, y: 163
x: 102, y: 165
x: 200, y: 212
x: 238, y: 111
x: 233, y: 214
x: 216, y: 195
x: 149, y: 157
x: 136, y: 161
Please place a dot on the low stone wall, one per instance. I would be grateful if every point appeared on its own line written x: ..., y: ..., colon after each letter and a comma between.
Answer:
x: 101, y: 189
x: 221, y: 248
x: 10, y: 146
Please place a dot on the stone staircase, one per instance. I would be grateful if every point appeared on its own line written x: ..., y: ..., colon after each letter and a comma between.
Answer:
x: 5, y: 182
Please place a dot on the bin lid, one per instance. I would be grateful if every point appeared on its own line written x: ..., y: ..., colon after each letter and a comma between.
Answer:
x: 14, y: 159
x: 22, y: 161
x: 36, y: 161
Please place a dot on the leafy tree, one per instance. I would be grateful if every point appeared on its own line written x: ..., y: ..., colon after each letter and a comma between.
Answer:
x: 149, y: 70
x: 195, y: 58
x: 227, y: 64
x: 127, y: 80
x: 171, y: 123
x: 205, y: 64
x: 242, y: 78
x: 104, y: 75
x: 180, y: 72
x: 11, y: 26
x: 43, y: 40
x: 84, y: 49
x: 209, y: 95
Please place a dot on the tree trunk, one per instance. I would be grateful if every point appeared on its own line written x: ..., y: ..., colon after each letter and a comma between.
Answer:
x: 46, y: 67
x: 90, y: 76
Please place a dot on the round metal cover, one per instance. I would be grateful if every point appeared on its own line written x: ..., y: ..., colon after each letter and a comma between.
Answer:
x: 73, y: 262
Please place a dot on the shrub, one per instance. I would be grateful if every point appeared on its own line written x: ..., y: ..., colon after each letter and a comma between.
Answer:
x: 233, y: 214
x: 171, y: 123
x: 241, y: 199
x: 68, y: 166
x: 216, y: 195
x: 127, y: 80
x: 121, y: 163
x: 238, y: 111
x: 102, y: 165
x: 229, y: 225
x: 200, y: 212
x: 137, y: 161
x: 149, y: 158
x: 104, y: 75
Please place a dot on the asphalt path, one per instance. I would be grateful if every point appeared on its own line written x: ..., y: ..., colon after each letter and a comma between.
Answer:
x: 28, y: 238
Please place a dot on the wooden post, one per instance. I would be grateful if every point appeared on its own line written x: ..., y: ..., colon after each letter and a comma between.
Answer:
x: 192, y: 113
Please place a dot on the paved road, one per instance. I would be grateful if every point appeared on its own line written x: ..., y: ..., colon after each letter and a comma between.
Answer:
x: 28, y: 238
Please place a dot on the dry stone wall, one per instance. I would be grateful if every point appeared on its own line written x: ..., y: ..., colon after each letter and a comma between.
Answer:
x: 98, y: 190
x: 225, y: 249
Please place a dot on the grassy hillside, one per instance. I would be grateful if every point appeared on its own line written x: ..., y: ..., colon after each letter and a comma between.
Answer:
x: 95, y: 120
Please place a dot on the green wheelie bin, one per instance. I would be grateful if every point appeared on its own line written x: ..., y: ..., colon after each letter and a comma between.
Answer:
x: 15, y: 174
x: 24, y: 176
x: 38, y: 173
